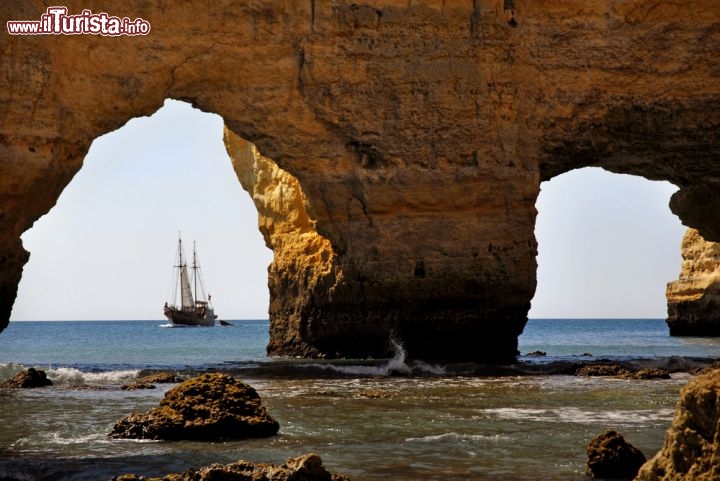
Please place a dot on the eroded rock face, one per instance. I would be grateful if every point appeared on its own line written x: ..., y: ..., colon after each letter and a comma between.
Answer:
x: 694, y: 299
x: 692, y: 444
x: 209, y: 407
x: 611, y: 457
x: 418, y: 134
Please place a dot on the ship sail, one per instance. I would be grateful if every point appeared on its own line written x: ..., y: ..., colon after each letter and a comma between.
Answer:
x: 194, y: 309
x: 185, y: 290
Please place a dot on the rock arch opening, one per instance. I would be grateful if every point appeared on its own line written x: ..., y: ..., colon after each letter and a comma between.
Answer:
x: 105, y: 250
x: 607, y: 246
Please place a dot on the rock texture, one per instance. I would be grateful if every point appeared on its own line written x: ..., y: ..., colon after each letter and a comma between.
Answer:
x: 418, y: 133
x: 302, y: 468
x: 692, y: 444
x: 29, y: 378
x: 694, y: 299
x: 611, y: 457
x: 208, y: 407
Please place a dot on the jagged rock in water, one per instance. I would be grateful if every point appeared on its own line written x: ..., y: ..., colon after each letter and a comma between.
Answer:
x: 602, y: 370
x: 413, y: 136
x: 692, y: 444
x: 694, y: 298
x: 137, y: 386
x: 611, y: 457
x: 653, y: 373
x: 160, y: 378
x: 209, y: 407
x: 302, y: 468
x: 29, y: 378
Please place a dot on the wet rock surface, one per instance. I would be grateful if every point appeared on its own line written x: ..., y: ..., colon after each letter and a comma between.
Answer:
x: 30, y: 378
x: 611, y: 457
x: 208, y: 407
x: 308, y: 467
x: 622, y: 372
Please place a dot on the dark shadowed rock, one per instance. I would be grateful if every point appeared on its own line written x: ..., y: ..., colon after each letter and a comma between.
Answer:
x: 308, y: 467
x: 212, y: 406
x: 27, y: 379
x: 611, y: 457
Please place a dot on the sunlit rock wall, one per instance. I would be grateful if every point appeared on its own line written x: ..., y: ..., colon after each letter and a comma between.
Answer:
x: 694, y: 298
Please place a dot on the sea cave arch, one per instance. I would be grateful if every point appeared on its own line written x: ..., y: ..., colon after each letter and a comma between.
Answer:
x: 105, y: 249
x: 607, y: 246
x: 419, y: 133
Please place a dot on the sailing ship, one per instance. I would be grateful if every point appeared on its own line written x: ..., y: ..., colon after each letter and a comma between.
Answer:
x: 194, y: 308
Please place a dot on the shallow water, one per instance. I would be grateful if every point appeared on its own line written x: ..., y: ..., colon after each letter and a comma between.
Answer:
x: 430, y: 425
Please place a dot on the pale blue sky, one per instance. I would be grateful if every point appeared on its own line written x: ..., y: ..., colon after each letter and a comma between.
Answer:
x: 607, y: 243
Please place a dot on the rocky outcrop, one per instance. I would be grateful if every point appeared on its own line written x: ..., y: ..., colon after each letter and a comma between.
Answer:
x: 694, y: 299
x: 622, y: 372
x: 692, y: 444
x: 29, y: 378
x: 209, y: 407
x: 302, y: 468
x: 417, y: 132
x: 611, y: 457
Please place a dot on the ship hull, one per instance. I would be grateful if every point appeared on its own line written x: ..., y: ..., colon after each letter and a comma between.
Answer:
x: 188, y: 318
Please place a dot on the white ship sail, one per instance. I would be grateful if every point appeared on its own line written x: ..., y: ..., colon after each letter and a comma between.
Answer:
x: 194, y: 309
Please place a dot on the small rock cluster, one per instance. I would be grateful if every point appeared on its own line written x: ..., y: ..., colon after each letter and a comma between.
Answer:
x: 617, y: 370
x: 212, y: 406
x: 303, y: 468
x: 30, y: 378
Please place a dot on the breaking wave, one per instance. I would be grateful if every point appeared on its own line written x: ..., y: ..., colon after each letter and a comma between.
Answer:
x: 396, y: 366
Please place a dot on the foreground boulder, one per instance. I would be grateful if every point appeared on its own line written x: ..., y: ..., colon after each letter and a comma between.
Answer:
x: 611, y: 457
x: 27, y: 379
x: 208, y: 407
x: 692, y: 444
x: 303, y: 468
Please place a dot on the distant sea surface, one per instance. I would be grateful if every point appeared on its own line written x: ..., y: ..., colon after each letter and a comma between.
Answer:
x: 434, y: 422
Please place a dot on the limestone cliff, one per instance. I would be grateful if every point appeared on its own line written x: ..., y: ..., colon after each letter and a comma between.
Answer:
x: 302, y: 265
x: 692, y: 444
x: 694, y: 299
x: 418, y: 132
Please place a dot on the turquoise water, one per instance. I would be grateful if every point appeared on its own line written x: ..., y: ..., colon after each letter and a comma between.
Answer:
x: 437, y: 423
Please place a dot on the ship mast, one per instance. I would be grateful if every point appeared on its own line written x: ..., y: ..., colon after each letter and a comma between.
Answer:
x: 195, y: 272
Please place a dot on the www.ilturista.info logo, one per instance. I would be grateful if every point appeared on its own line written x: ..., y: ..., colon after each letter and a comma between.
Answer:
x: 57, y: 22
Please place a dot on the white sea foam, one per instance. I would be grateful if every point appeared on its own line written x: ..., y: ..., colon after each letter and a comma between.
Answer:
x: 76, y: 377
x: 576, y: 415
x: 397, y: 365
x: 455, y: 437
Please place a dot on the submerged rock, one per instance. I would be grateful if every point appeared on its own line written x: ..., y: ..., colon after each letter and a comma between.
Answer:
x: 654, y: 373
x: 602, y: 370
x: 27, y: 379
x: 137, y: 386
x: 611, y: 457
x: 692, y: 444
x: 210, y: 407
x: 160, y: 378
x: 302, y: 468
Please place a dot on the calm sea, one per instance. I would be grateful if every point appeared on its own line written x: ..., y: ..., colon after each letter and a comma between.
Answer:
x: 437, y: 422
